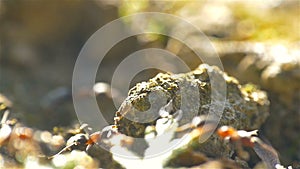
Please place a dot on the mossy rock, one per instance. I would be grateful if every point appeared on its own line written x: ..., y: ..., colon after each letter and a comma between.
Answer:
x: 246, y: 107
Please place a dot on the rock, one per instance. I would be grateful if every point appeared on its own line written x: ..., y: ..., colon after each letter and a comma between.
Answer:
x: 270, y: 66
x: 246, y: 107
x: 276, y: 68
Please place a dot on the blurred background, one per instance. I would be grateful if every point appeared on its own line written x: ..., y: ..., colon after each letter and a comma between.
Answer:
x: 258, y: 42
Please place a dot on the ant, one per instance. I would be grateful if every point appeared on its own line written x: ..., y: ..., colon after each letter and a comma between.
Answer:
x: 249, y: 139
x: 80, y: 139
x: 86, y: 140
x: 230, y: 133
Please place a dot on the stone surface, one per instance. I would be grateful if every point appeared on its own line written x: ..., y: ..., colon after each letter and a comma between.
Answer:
x: 276, y: 68
x: 246, y: 107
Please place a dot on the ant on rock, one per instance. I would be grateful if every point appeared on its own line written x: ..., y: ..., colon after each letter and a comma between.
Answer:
x: 250, y: 139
